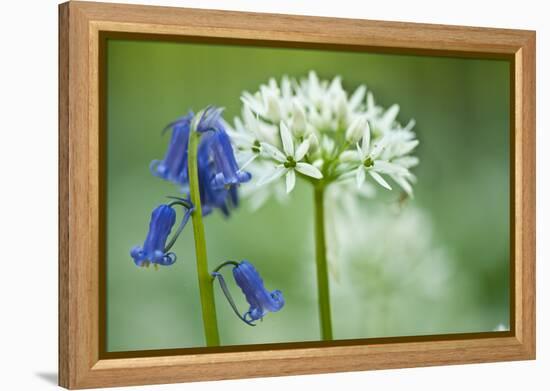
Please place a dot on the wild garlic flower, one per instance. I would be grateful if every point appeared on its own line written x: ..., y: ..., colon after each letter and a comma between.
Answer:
x: 289, y: 160
x: 384, y: 264
x: 315, y: 130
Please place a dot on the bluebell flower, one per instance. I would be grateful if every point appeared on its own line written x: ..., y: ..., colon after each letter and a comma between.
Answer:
x: 261, y: 300
x: 219, y: 173
x: 154, y: 249
x: 227, y: 169
x: 173, y: 167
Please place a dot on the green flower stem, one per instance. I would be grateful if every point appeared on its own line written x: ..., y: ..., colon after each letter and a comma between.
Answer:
x: 321, y: 261
x: 206, y: 286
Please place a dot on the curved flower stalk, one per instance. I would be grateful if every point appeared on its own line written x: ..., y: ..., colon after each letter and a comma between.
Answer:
x: 313, y: 129
x: 201, y: 162
x: 261, y: 300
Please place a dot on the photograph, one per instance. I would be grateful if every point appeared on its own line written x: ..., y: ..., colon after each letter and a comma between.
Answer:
x: 257, y: 194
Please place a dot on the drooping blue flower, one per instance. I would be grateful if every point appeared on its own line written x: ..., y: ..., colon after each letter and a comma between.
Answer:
x: 261, y: 300
x: 173, y: 167
x: 228, y: 172
x: 154, y: 249
x: 219, y: 173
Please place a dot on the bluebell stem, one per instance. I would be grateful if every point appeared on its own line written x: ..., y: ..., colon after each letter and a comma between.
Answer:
x: 261, y: 300
x: 201, y: 161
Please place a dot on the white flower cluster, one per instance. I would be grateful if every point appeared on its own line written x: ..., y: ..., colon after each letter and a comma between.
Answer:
x: 313, y: 129
x: 372, y: 275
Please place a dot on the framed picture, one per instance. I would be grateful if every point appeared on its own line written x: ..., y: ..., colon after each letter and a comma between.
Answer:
x: 247, y: 195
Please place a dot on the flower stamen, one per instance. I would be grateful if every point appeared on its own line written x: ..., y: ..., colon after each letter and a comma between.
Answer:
x: 368, y: 162
x: 290, y: 162
x: 256, y: 147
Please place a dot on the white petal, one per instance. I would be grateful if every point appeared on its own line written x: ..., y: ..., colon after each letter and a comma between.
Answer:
x: 361, y: 156
x: 384, y: 167
x: 273, y: 152
x: 410, y: 125
x: 336, y: 85
x: 314, y: 118
x: 286, y: 137
x: 309, y: 170
x: 389, y: 117
x: 239, y: 126
x: 250, y: 120
x: 378, y: 178
x: 357, y: 97
x: 313, y: 142
x: 411, y: 178
x: 239, y: 136
x: 347, y: 175
x: 379, y: 147
x: 407, y: 147
x: 302, y: 150
x: 313, y: 82
x: 355, y: 130
x: 290, y: 180
x: 318, y: 163
x: 341, y: 106
x: 275, y: 174
x: 252, y: 158
x: 327, y: 144
x: 252, y: 103
x: 349, y: 156
x: 268, y: 133
x: 228, y: 128
x: 286, y: 90
x: 407, y: 161
x: 365, y: 143
x: 404, y: 185
x: 298, y: 118
x: 370, y: 101
x: 272, y: 84
x: 273, y: 107
x: 360, y: 176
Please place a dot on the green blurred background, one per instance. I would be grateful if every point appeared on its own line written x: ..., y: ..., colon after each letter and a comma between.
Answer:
x: 437, y: 264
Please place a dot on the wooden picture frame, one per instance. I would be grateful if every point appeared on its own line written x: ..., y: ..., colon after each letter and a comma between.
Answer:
x: 84, y: 26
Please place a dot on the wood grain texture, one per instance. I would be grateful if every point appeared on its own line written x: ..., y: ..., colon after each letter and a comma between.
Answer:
x: 63, y: 221
x: 80, y: 170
